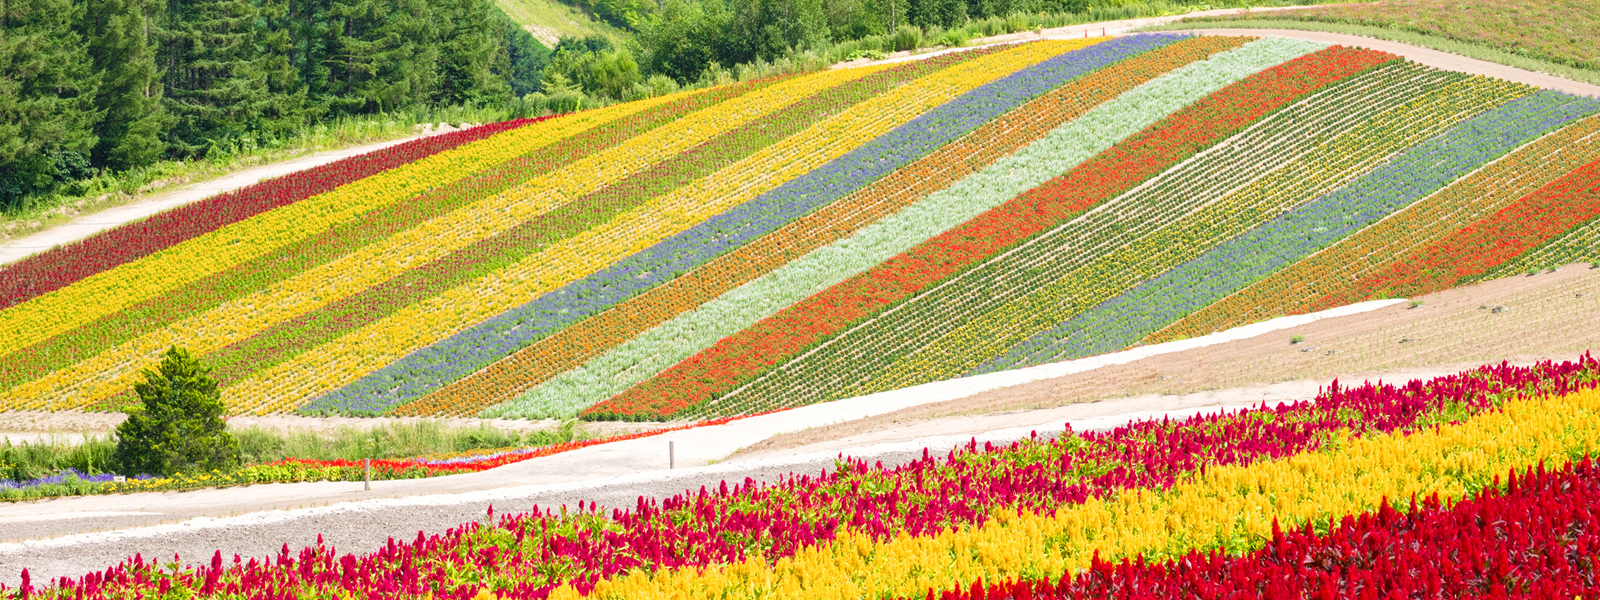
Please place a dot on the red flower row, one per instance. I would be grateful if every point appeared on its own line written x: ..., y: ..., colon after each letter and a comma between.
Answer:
x: 770, y: 342
x: 57, y: 268
x: 1539, y: 538
x: 1492, y: 241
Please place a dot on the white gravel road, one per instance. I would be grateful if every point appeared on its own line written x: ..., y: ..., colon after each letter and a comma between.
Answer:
x: 70, y: 536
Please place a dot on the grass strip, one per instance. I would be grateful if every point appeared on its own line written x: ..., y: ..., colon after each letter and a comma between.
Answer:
x: 1257, y: 89
x: 85, y: 342
x: 570, y: 347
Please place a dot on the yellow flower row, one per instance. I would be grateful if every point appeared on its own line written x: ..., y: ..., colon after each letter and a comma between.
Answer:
x: 342, y: 361
x: 1430, y: 220
x: 112, y: 290
x: 1230, y: 507
x: 1352, y: 152
x: 112, y: 371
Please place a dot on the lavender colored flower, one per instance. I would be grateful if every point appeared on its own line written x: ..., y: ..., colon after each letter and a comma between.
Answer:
x: 1119, y: 322
x: 430, y: 368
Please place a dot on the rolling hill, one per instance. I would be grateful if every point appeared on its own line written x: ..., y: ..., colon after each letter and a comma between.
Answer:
x: 802, y: 239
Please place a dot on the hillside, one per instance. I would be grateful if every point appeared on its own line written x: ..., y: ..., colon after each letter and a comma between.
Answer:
x: 1555, y: 36
x: 550, y: 21
x: 796, y: 240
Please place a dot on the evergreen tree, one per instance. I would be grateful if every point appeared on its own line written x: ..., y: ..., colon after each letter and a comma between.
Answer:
x: 178, y: 426
x: 47, y: 91
x: 525, y: 57
x: 119, y: 34
x: 382, y: 55
x: 469, y: 48
x: 227, y: 73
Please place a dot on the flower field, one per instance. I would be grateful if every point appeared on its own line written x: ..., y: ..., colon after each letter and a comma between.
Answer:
x: 800, y: 239
x: 1410, y: 490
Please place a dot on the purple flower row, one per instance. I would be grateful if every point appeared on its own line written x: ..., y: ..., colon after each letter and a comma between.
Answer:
x: 1119, y: 322
x: 433, y: 367
x: 62, y: 477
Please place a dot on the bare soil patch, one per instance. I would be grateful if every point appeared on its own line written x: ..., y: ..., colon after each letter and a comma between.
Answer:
x: 1523, y: 319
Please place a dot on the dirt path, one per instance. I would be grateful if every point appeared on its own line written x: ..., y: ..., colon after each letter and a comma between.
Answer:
x: 1081, y: 30
x: 1426, y: 56
x: 90, y: 224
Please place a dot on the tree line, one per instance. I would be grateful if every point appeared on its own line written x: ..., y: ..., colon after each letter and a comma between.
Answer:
x: 91, y: 86
x: 118, y: 84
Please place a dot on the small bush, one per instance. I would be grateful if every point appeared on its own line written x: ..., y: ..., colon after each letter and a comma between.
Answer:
x: 178, y: 426
x: 907, y: 37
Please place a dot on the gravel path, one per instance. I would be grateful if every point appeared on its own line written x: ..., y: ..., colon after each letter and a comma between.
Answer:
x: 360, y: 527
x: 1425, y: 56
x: 71, y: 536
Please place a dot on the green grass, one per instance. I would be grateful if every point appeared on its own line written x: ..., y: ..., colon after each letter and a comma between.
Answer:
x: 1558, y: 37
x: 549, y: 21
x: 92, y: 456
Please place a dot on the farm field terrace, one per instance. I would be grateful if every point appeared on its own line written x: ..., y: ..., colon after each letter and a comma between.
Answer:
x: 808, y: 238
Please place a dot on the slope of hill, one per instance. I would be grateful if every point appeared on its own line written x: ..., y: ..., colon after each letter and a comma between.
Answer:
x: 1554, y: 36
x: 550, y: 21
x: 797, y: 240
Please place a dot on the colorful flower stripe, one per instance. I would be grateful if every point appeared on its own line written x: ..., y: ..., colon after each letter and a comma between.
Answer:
x: 1293, y: 289
x: 887, y: 346
x: 740, y: 357
x: 85, y: 342
x: 338, y: 363
x: 1480, y: 247
x: 1536, y: 539
x: 59, y: 267
x: 572, y: 346
x: 1225, y: 269
x: 656, y: 349
x: 833, y: 370
x: 1233, y: 508
x: 1169, y: 220
x: 288, y: 338
x: 391, y: 256
x: 114, y: 289
x: 925, y: 498
x: 1342, y: 159
x: 1581, y: 244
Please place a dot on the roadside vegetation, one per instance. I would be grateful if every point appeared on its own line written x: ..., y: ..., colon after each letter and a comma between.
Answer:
x: 176, y: 437
x: 64, y: 465
x: 1555, y: 36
